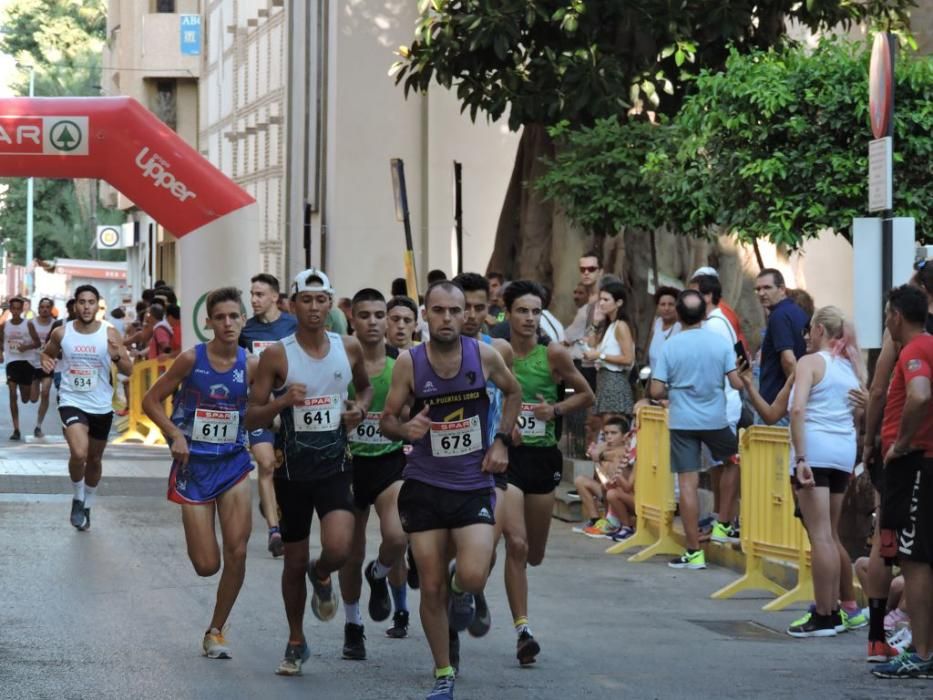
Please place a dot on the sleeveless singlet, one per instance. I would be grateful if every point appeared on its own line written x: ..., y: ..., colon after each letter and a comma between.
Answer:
x: 210, y: 407
x: 15, y: 336
x: 495, y: 402
x: 43, y: 331
x: 830, y: 428
x: 312, y: 437
x: 85, y: 369
x: 367, y: 440
x: 451, y: 454
x: 533, y: 372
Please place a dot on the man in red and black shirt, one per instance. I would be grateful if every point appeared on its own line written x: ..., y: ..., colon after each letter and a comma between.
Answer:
x: 907, y: 443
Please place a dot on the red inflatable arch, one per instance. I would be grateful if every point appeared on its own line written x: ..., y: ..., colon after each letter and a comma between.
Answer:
x: 116, y: 139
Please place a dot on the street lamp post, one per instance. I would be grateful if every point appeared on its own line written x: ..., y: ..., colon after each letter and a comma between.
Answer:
x: 29, y: 198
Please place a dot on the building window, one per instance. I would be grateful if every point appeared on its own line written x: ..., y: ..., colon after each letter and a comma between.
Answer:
x: 165, y: 103
x: 165, y: 5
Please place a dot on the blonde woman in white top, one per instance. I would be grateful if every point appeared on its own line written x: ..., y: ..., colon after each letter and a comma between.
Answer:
x: 614, y: 354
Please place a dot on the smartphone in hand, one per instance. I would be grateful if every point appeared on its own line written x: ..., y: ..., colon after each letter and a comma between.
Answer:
x: 741, y: 354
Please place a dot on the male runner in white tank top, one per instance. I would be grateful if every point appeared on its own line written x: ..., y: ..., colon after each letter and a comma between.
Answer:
x: 310, y: 374
x: 43, y: 326
x: 86, y: 347
x: 18, y: 340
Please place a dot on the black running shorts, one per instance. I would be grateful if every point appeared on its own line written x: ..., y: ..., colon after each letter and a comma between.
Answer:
x: 424, y: 507
x: 915, y: 538
x: 535, y: 470
x: 20, y: 372
x: 836, y: 480
x: 373, y: 475
x: 98, y: 424
x: 298, y: 500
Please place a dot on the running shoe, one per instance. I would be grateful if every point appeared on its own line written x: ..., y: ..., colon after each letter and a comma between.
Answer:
x: 413, y: 581
x: 906, y: 665
x: 354, y: 645
x: 276, y: 545
x: 854, y: 620
x: 16, y: 435
x: 901, y: 640
x: 527, y: 649
x: 295, y: 656
x: 623, y: 534
x: 87, y: 519
x: 461, y: 608
x: 602, y: 529
x: 880, y: 652
x: 454, y: 649
x: 581, y: 528
x: 894, y: 619
x: 443, y: 689
x: 482, y: 620
x: 815, y: 626
x: 37, y: 433
x: 839, y: 621
x: 323, y: 601
x: 380, y: 602
x: 214, y: 645
x: 837, y: 615
x: 399, y: 628
x: 722, y: 534
x: 697, y: 560
x: 78, y: 516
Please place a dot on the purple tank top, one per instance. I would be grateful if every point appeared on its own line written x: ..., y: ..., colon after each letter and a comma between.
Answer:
x: 451, y: 454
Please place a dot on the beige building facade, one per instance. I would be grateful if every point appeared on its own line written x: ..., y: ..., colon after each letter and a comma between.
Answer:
x: 144, y: 59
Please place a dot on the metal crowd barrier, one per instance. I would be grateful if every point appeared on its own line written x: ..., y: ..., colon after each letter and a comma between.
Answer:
x: 769, y: 528
x: 654, y: 489
x: 139, y: 428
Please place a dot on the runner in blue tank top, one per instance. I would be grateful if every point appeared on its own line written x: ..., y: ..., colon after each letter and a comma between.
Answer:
x: 210, y: 463
x: 267, y: 326
x: 476, y: 294
x: 448, y: 491
x: 309, y: 373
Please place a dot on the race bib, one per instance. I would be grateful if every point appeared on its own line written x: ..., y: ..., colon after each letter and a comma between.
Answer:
x: 528, y: 424
x: 260, y: 345
x: 318, y: 414
x: 455, y: 438
x: 80, y: 379
x: 217, y: 427
x: 368, y: 433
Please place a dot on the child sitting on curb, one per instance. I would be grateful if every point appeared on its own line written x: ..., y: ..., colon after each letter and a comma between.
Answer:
x: 613, y: 481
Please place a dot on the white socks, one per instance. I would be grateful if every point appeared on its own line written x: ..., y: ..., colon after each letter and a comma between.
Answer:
x: 352, y: 611
x: 78, y: 487
x: 380, y: 570
x: 89, y: 493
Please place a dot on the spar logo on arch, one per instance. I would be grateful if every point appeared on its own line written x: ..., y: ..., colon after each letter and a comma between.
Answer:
x: 44, y: 136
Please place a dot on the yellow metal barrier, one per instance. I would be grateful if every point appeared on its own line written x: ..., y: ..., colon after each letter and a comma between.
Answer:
x: 654, y: 489
x: 139, y: 427
x: 769, y: 528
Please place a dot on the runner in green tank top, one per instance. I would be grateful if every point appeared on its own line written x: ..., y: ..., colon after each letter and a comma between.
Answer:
x: 535, y: 465
x: 377, y: 477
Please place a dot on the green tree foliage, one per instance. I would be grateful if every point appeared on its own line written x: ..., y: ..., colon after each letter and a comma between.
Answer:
x: 63, y: 40
x: 774, y: 147
x: 547, y: 61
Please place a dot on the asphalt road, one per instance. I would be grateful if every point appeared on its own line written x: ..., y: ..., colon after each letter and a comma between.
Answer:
x: 118, y: 612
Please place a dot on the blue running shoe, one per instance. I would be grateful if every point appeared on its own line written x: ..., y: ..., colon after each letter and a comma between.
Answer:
x: 906, y: 665
x: 295, y: 656
x: 461, y: 608
x: 443, y: 689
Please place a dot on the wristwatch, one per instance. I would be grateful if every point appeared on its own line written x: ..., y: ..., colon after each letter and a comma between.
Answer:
x: 602, y: 357
x: 557, y: 411
x: 504, y: 438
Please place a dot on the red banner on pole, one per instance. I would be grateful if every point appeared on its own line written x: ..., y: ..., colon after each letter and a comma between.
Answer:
x: 116, y: 139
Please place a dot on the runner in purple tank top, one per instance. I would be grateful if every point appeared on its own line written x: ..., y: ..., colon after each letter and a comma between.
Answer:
x: 448, y: 490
